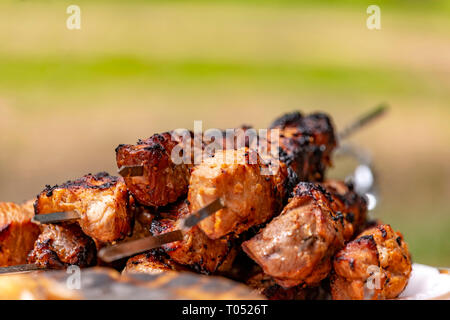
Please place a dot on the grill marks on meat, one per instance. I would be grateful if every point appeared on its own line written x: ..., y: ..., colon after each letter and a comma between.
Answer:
x: 62, y: 245
x: 152, y: 262
x: 378, y: 250
x: 17, y: 232
x: 351, y: 205
x: 101, y: 200
x: 196, y: 250
x: 163, y: 181
x: 306, y: 143
x: 296, y: 247
x: 250, y: 197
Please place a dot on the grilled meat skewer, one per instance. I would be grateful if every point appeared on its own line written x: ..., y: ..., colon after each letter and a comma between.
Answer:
x: 380, y: 256
x: 101, y: 200
x: 297, y: 247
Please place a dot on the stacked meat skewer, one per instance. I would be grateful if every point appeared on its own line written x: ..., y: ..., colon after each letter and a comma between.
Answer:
x: 289, y: 235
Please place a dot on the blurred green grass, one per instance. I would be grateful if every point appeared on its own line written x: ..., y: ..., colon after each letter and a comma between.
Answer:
x: 67, y: 98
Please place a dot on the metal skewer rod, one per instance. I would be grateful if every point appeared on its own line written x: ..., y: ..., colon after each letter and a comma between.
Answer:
x: 56, y: 217
x: 126, y: 249
x: 362, y: 121
x: 131, y: 171
x: 20, y: 268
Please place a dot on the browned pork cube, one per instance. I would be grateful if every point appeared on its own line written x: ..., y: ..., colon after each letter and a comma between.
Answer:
x: 306, y: 143
x: 62, y: 245
x: 101, y: 200
x: 250, y: 197
x: 376, y: 265
x: 163, y: 180
x: 296, y: 247
x: 17, y: 232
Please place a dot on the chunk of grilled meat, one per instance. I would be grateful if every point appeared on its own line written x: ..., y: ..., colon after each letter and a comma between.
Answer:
x: 306, y: 143
x: 17, y: 232
x: 163, y: 181
x: 196, y: 250
x: 350, y: 204
x: 61, y: 245
x: 101, y: 200
x: 236, y: 177
x: 296, y: 247
x: 376, y: 265
x: 152, y: 262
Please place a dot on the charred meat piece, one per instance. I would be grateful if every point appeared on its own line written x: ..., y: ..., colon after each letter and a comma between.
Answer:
x: 350, y: 204
x: 61, y: 245
x: 296, y: 248
x: 17, y: 232
x: 376, y: 265
x: 163, y: 181
x: 235, y: 176
x: 196, y: 250
x: 101, y: 200
x: 152, y: 262
x: 306, y: 143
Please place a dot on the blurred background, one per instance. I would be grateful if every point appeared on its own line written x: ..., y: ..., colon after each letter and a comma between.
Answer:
x: 69, y: 97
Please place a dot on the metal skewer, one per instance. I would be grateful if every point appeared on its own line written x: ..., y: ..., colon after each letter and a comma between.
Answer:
x: 20, y: 268
x: 138, y: 170
x: 131, y: 171
x: 122, y: 250
x: 362, y: 121
x: 56, y: 217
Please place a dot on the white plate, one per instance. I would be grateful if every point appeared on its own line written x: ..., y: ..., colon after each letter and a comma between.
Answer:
x: 427, y: 283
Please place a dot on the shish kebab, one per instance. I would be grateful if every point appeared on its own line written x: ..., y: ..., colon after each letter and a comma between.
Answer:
x: 98, y: 186
x: 107, y: 214
x: 154, y: 180
x: 249, y: 197
x: 296, y: 137
x: 260, y: 210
